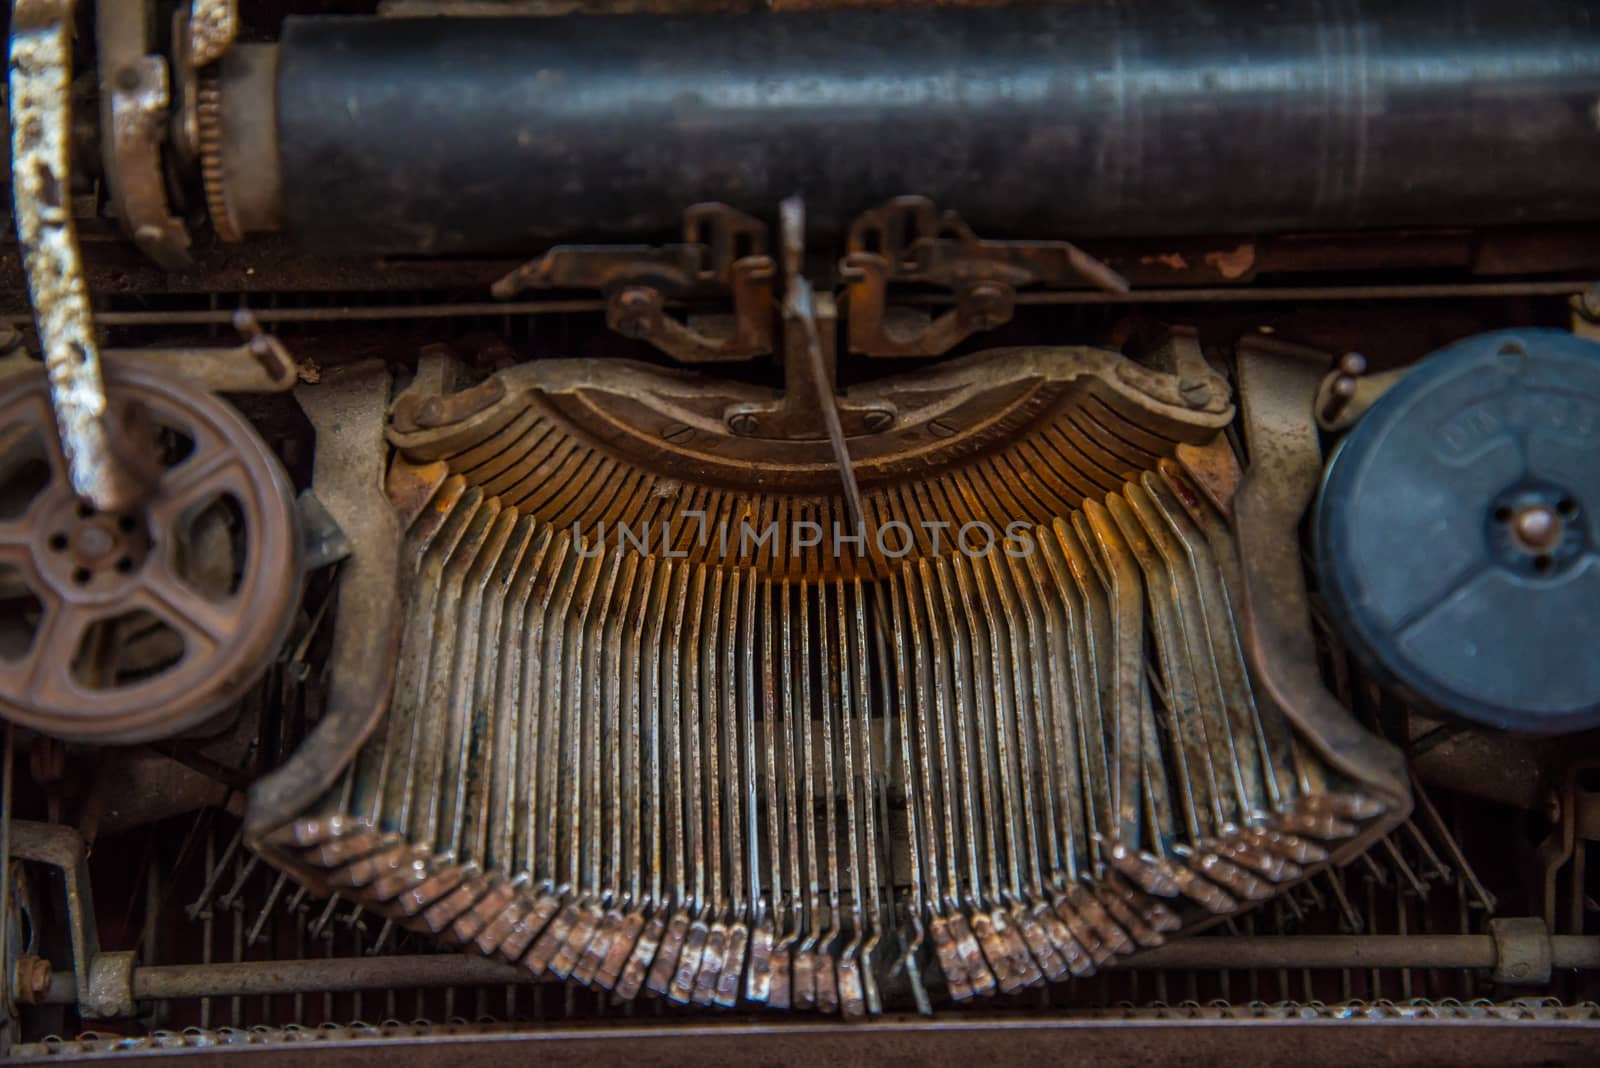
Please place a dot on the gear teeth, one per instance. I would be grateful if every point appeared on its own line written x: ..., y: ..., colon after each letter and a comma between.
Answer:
x: 209, y: 111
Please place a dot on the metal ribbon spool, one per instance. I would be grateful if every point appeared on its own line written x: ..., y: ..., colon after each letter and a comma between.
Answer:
x: 123, y: 627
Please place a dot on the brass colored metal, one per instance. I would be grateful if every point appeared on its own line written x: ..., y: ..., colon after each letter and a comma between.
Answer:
x: 909, y: 240
x: 31, y: 979
x: 213, y: 25
x: 208, y: 117
x: 1033, y: 433
x: 89, y: 569
x: 236, y: 141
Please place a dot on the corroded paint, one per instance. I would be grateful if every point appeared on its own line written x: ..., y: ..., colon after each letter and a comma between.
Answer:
x: 41, y: 73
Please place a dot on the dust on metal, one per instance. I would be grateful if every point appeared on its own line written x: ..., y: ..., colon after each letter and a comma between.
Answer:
x: 41, y: 74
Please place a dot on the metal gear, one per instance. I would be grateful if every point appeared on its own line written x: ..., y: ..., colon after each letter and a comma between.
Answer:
x: 208, y: 111
x: 126, y: 627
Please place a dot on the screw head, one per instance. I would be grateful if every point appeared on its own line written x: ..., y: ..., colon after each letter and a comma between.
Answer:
x: 876, y: 420
x: 677, y: 433
x: 987, y: 301
x: 635, y: 307
x: 743, y: 423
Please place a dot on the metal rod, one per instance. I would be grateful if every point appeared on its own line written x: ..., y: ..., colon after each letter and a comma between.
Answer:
x: 367, y: 313
x: 1355, y: 951
x: 1174, y: 295
x: 1251, y: 294
x: 1205, y: 953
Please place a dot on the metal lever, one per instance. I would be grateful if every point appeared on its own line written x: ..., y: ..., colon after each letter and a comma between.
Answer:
x: 41, y: 121
x: 799, y: 310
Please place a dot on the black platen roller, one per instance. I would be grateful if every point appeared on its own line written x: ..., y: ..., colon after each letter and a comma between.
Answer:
x: 434, y: 135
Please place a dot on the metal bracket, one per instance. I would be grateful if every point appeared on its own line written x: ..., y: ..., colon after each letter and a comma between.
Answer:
x: 1276, y: 388
x: 1347, y: 391
x: 261, y: 364
x: 104, y: 981
x: 722, y: 250
x: 908, y: 239
x: 347, y: 411
x: 136, y: 92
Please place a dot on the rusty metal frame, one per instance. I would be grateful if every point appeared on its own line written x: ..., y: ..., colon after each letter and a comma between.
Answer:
x: 1277, y: 391
x: 1466, y: 1036
x: 722, y: 249
x: 689, y: 426
x: 347, y: 409
x: 908, y: 239
x: 102, y: 981
x: 1511, y: 944
x: 136, y: 92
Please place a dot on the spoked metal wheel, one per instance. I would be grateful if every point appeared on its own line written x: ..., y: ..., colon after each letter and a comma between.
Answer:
x: 128, y: 627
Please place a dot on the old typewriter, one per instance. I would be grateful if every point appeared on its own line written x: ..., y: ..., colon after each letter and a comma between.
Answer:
x: 800, y: 531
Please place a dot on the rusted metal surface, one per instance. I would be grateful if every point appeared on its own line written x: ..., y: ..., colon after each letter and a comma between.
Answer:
x: 237, y: 142
x: 587, y: 829
x: 256, y: 366
x: 910, y: 240
x: 260, y: 364
x: 213, y: 25
x: 136, y: 92
x: 1509, y: 950
x: 208, y: 134
x: 244, y: 895
x: 31, y: 979
x: 85, y: 673
x: 722, y: 250
x: 1277, y: 391
x: 41, y: 72
x: 1518, y: 951
x: 355, y: 313
x: 1560, y: 860
x: 689, y: 449
x: 347, y: 408
x: 62, y: 848
x: 1487, y: 1034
